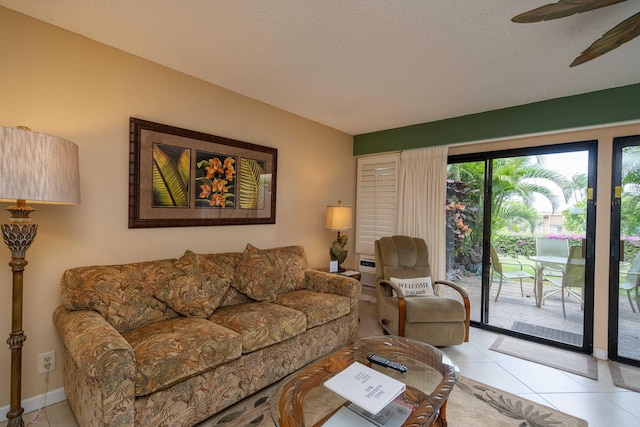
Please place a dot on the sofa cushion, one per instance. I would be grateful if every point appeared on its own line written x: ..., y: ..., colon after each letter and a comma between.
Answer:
x: 260, y: 323
x: 197, y: 286
x: 262, y: 274
x: 122, y: 294
x: 173, y: 350
x: 319, y: 308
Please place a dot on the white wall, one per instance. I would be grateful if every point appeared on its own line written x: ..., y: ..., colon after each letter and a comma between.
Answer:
x: 59, y: 83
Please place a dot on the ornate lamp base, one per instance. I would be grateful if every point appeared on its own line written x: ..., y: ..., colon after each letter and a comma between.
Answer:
x: 18, y: 236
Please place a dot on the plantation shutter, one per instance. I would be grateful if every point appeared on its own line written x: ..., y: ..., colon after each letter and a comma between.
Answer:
x: 376, y: 200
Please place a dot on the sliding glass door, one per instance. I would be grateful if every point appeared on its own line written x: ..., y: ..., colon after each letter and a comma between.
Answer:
x: 624, y: 298
x: 520, y: 227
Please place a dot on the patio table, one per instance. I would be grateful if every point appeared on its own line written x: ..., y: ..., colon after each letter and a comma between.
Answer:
x: 542, y: 261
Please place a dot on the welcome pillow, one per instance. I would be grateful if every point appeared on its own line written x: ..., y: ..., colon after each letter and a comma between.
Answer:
x: 416, y: 287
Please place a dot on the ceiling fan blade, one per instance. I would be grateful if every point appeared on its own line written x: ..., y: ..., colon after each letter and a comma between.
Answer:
x: 561, y: 9
x: 623, y: 32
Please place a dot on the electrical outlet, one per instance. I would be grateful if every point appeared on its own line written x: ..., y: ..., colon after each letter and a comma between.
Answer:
x: 47, y: 362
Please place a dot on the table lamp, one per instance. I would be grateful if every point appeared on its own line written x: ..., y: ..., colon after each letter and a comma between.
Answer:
x: 338, y: 219
x: 42, y: 169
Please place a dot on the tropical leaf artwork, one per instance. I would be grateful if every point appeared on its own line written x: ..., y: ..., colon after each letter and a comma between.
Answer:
x: 252, y: 184
x: 170, y: 176
x: 215, y: 180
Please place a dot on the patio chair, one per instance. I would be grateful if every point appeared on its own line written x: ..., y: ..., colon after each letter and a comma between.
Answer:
x: 497, y: 268
x: 552, y: 247
x: 632, y: 280
x: 572, y: 279
x: 408, y: 310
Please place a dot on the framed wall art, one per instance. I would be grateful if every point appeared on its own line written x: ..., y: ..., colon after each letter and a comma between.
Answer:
x: 179, y: 178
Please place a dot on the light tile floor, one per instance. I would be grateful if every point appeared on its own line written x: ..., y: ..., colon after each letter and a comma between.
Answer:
x: 599, y: 402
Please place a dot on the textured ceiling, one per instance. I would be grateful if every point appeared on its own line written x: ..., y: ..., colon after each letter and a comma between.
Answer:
x: 361, y: 65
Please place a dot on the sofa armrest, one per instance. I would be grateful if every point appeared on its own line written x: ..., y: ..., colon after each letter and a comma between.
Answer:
x: 331, y: 283
x: 102, y: 358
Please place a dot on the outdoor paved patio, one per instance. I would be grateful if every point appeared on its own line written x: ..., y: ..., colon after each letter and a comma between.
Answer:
x: 511, y: 307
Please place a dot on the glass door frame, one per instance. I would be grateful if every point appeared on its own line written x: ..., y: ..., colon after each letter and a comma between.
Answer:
x: 487, y: 157
x: 619, y: 144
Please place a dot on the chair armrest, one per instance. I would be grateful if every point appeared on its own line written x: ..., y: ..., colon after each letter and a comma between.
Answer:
x: 102, y: 357
x: 513, y: 261
x: 465, y: 301
x: 452, y: 285
x: 632, y: 273
x: 388, y: 286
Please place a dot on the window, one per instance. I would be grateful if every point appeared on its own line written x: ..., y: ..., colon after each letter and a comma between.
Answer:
x: 376, y: 206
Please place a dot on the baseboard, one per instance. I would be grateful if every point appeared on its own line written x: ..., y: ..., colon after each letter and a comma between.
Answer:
x: 33, y: 403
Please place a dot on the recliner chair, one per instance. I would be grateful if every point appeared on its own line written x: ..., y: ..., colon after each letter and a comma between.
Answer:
x: 436, y: 320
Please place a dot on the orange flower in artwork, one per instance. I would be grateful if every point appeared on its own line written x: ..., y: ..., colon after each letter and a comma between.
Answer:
x: 219, y: 185
x: 218, y: 200
x: 217, y: 164
x: 229, y: 173
x: 206, y: 190
x: 210, y: 172
x: 217, y: 180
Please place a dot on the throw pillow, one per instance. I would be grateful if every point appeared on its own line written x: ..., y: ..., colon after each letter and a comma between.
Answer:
x: 196, y: 287
x: 122, y: 294
x: 258, y: 275
x: 416, y: 287
x: 292, y: 261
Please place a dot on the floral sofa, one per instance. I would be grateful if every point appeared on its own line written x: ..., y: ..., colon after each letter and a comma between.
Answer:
x: 171, y: 342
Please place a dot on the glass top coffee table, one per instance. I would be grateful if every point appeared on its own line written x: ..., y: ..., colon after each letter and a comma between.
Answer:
x: 302, y: 400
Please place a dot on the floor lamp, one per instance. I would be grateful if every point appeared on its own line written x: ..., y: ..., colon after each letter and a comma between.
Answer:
x: 38, y: 168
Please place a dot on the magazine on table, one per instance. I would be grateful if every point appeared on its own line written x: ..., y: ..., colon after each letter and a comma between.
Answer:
x: 392, y: 415
x: 367, y: 388
x: 350, y: 273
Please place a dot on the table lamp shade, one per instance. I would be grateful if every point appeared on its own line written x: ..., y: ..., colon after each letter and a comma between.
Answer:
x: 338, y: 218
x: 36, y: 167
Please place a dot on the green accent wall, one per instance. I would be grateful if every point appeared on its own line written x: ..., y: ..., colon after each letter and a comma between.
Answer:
x: 589, y: 109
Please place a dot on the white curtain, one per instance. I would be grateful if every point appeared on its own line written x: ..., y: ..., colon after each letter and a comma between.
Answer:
x: 422, y: 197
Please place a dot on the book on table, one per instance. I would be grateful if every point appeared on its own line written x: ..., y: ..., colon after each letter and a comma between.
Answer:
x: 350, y: 273
x: 369, y: 389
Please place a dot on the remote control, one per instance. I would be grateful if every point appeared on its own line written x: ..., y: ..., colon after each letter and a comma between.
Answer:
x: 386, y: 362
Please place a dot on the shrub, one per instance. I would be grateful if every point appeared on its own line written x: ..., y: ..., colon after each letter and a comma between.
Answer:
x: 513, y: 245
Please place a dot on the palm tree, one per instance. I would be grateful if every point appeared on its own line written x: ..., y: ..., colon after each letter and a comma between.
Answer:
x: 576, y: 188
x: 630, y: 219
x: 516, y: 180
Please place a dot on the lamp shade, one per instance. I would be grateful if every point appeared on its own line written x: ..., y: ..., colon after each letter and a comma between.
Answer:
x: 36, y: 167
x: 338, y: 218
